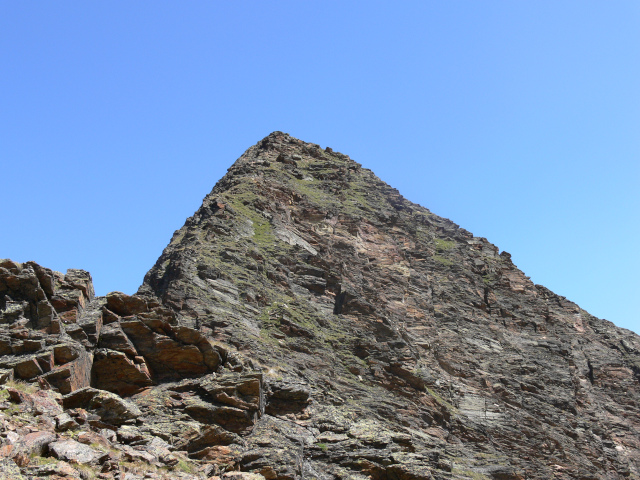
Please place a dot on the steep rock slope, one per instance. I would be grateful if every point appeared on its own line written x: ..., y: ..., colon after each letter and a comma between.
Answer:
x: 309, y: 322
x: 421, y: 347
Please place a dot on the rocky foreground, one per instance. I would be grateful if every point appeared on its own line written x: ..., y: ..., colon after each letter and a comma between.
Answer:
x: 308, y: 322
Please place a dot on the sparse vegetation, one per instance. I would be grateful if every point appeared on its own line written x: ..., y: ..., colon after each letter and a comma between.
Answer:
x: 38, y: 460
x: 442, y: 260
x: 87, y: 472
x: 444, y: 245
x: 469, y: 474
x: 22, y: 386
x: 441, y: 400
x: 185, y: 466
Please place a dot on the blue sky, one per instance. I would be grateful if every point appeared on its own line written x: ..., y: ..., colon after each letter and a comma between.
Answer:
x: 520, y: 121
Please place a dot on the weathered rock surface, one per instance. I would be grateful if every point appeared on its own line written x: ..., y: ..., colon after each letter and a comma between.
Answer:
x: 309, y: 322
x: 75, y: 452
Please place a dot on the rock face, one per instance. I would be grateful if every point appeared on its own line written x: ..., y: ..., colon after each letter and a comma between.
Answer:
x: 309, y: 322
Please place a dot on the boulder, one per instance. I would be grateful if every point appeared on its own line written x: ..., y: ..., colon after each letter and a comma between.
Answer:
x: 170, y: 358
x: 116, y: 372
x: 65, y: 422
x: 76, y: 452
x: 125, y: 305
x: 113, y: 338
x: 75, y: 373
x: 111, y: 408
x: 34, y: 443
x: 287, y: 397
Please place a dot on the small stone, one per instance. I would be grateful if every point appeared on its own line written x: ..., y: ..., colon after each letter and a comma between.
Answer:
x: 21, y: 460
x: 12, y: 437
x: 65, y: 422
x: 6, y: 374
x: 27, y: 369
x: 108, y: 434
x: 129, y: 434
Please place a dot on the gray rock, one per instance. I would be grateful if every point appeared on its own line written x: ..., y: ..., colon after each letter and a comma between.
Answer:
x: 65, y: 422
x: 76, y: 452
x: 108, y: 406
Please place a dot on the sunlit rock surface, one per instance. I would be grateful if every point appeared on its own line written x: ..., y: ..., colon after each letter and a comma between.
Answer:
x: 309, y: 322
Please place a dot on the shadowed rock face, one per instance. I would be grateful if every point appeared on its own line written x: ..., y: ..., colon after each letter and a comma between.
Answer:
x: 309, y: 322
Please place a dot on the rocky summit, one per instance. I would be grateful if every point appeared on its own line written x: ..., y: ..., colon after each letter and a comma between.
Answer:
x: 308, y: 322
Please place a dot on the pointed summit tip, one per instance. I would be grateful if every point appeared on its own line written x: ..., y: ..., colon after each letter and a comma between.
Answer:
x: 282, y: 147
x: 278, y: 138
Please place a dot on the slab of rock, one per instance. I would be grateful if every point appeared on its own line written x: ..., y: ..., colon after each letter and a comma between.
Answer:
x: 287, y: 397
x: 211, y: 435
x: 166, y: 356
x: 34, y: 443
x: 57, y: 470
x: 76, y: 452
x: 27, y: 368
x: 130, y: 434
x: 46, y: 402
x: 110, y: 407
x: 112, y: 337
x: 116, y: 372
x: 74, y: 373
x: 126, y: 305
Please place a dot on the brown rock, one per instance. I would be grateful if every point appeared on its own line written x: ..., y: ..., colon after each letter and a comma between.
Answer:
x: 73, y: 375
x: 81, y: 280
x: 66, y: 352
x: 217, y: 454
x: 34, y: 443
x: 125, y: 305
x: 167, y: 358
x: 92, y: 438
x: 112, y: 337
x: 17, y: 396
x: 211, y: 435
x: 27, y: 369
x: 46, y: 402
x: 115, y: 372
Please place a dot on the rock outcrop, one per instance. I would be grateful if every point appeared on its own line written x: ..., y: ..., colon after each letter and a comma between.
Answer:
x: 309, y: 322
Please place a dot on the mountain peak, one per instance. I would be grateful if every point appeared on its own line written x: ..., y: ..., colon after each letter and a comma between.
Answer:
x: 283, y: 143
x: 309, y: 321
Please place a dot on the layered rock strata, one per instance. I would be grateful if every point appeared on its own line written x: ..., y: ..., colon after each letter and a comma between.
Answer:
x: 310, y: 322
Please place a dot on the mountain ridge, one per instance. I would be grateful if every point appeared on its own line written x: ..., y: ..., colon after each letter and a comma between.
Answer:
x: 308, y: 321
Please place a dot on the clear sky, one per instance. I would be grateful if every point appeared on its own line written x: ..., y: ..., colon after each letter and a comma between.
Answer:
x: 520, y: 121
